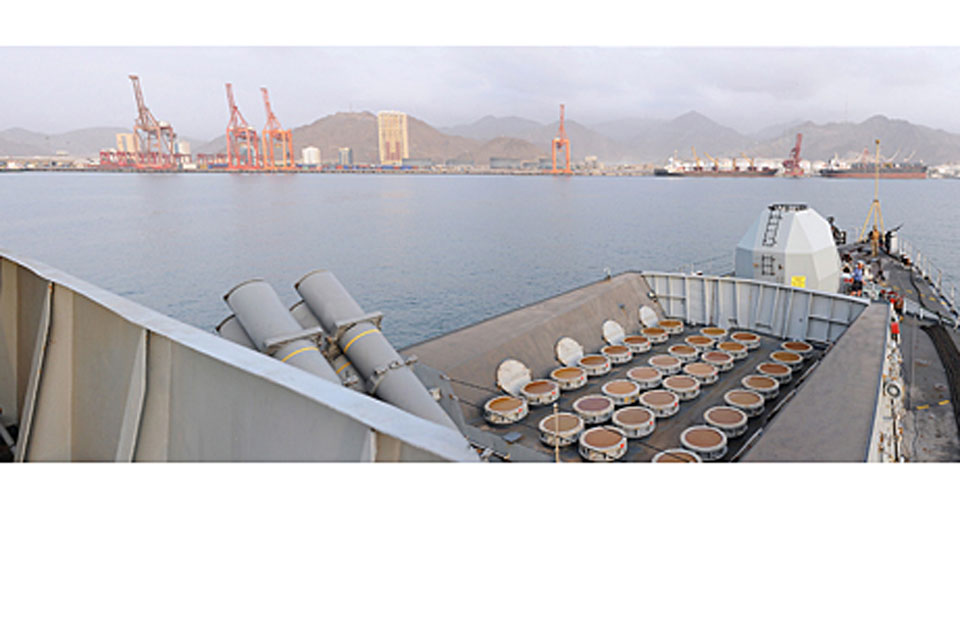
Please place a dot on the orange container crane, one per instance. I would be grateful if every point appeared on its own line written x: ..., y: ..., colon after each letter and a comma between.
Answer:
x: 155, y: 141
x: 242, y: 141
x: 561, y: 142
x: 791, y: 166
x: 276, y: 142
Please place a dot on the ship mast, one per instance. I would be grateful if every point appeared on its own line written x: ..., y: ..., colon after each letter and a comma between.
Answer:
x: 875, y: 213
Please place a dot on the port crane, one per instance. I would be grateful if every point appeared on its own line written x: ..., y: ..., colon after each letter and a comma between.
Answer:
x: 791, y: 166
x: 696, y: 158
x: 561, y: 142
x: 276, y: 142
x: 242, y: 139
x: 154, y: 140
x: 716, y: 165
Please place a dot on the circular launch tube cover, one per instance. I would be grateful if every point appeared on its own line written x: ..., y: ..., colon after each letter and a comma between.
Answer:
x: 617, y: 353
x: 736, y: 349
x: 594, y: 409
x: 603, y: 444
x: 708, y: 442
x: 767, y: 386
x: 714, y: 333
x: 613, y: 332
x: 645, y: 377
x: 750, y: 402
x: 512, y: 375
x: 747, y: 338
x: 805, y: 349
x: 563, y: 426
x: 636, y: 422
x: 667, y: 365
x: 662, y: 403
x: 780, y: 372
x: 540, y: 392
x: 568, y: 351
x: 790, y: 358
x: 674, y: 326
x: 569, y: 378
x: 656, y: 335
x: 704, y: 372
x: 622, y: 392
x: 505, y: 410
x: 683, y: 352
x: 595, y: 364
x: 700, y: 343
x: 730, y: 420
x: 722, y: 361
x: 637, y: 344
x: 648, y: 317
x: 676, y: 455
x: 686, y: 387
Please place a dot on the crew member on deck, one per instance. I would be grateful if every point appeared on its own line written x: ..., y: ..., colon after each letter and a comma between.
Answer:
x: 875, y: 240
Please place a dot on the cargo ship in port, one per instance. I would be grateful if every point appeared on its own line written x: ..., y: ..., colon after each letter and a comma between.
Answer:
x: 906, y: 171
x: 701, y: 172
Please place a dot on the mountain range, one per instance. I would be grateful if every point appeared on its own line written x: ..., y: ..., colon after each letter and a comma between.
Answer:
x: 628, y: 140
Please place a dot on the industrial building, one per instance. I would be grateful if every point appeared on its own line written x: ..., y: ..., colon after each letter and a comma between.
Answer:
x: 393, y: 139
x: 126, y: 143
x: 506, y: 163
x: 311, y: 156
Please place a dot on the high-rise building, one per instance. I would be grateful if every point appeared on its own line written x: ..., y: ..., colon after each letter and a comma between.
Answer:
x: 311, y: 156
x: 125, y: 142
x: 394, y: 146
x: 345, y: 157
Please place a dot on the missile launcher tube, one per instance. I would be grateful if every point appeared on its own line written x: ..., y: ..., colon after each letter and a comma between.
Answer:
x: 375, y: 359
x: 264, y: 318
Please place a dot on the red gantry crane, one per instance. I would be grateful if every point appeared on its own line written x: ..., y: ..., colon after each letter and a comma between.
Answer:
x: 154, y: 140
x: 242, y: 142
x: 791, y: 166
x: 277, y: 142
x: 561, y: 142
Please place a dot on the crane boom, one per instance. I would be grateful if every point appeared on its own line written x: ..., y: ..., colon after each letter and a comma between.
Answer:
x: 276, y: 142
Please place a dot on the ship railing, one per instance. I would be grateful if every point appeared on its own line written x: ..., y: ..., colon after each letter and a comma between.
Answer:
x: 944, y: 284
x: 756, y: 305
x: 88, y: 375
x: 721, y: 264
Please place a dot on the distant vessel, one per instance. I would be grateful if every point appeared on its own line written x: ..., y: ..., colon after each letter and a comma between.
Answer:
x: 678, y: 168
x: 701, y: 172
x: 913, y: 170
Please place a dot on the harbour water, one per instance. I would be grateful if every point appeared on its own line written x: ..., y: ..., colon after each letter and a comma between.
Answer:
x: 433, y: 253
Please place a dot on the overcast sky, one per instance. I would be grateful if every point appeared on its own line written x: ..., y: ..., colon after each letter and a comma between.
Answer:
x: 55, y: 89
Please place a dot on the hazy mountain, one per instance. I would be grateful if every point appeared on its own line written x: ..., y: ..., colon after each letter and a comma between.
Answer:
x: 502, y: 147
x: 625, y: 129
x: 776, y: 130
x: 80, y: 142
x: 15, y: 148
x: 359, y: 132
x: 848, y: 140
x: 490, y: 127
x: 692, y: 129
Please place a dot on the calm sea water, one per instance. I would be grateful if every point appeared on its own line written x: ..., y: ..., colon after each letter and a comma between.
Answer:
x: 432, y: 252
